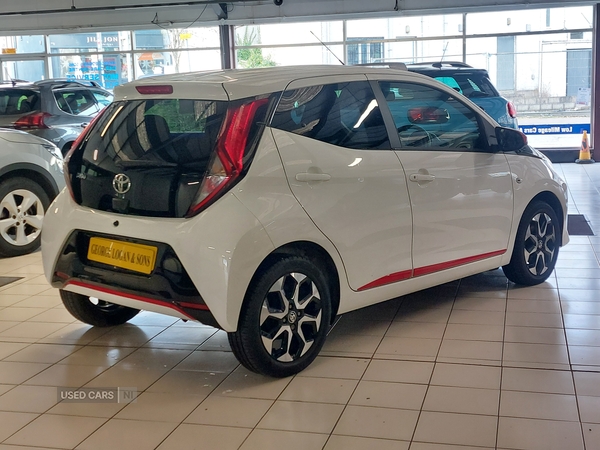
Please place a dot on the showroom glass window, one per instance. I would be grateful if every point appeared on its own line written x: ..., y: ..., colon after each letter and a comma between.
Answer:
x: 430, y: 118
x: 342, y: 114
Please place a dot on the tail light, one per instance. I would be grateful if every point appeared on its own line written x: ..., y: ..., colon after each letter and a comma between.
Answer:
x: 227, y: 164
x: 33, y: 121
x: 512, y: 111
x: 74, y: 148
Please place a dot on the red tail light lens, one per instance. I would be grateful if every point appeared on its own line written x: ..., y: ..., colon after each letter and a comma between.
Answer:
x: 227, y: 163
x: 33, y: 121
x: 512, y: 111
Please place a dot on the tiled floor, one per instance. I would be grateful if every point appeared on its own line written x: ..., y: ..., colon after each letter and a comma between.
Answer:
x: 474, y: 364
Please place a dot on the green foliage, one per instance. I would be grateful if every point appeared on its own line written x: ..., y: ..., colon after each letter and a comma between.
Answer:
x: 251, y: 57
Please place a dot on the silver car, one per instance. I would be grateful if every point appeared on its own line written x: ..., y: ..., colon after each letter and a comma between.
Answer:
x: 31, y: 175
x: 56, y: 109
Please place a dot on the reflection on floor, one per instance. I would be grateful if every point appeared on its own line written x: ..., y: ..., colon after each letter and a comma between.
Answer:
x: 475, y: 364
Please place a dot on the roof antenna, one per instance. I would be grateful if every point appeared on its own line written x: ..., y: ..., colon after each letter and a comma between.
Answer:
x: 444, y: 52
x: 330, y: 51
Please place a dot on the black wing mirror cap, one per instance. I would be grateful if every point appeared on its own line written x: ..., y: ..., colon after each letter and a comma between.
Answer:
x: 510, y: 140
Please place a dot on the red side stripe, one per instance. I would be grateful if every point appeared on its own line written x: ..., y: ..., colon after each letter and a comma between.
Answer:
x: 388, y: 279
x: 426, y: 270
x: 420, y: 271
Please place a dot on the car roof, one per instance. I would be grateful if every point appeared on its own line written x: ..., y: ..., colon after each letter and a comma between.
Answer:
x: 443, y: 67
x: 229, y: 84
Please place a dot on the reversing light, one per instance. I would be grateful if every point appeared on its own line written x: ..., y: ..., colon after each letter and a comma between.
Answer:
x: 155, y: 89
x: 227, y: 163
x: 33, y: 121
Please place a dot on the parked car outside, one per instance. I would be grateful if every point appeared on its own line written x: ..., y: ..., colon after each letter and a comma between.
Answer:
x: 268, y: 201
x: 57, y: 110
x: 31, y: 175
x: 473, y: 83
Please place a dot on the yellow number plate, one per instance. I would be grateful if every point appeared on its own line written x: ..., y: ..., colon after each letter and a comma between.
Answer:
x: 140, y: 258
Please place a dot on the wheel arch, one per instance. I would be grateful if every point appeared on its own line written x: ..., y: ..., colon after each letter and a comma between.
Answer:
x: 317, y: 254
x: 32, y: 173
x: 552, y: 200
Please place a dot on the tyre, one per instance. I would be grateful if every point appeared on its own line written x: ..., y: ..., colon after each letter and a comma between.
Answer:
x: 284, y: 319
x: 96, y: 312
x: 536, y: 245
x: 23, y: 204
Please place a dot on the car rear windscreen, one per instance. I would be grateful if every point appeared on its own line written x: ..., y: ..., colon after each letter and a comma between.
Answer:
x: 16, y: 101
x: 162, y: 147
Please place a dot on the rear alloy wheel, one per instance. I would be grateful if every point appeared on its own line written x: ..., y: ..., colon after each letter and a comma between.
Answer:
x: 284, y: 320
x: 96, y: 312
x: 23, y: 204
x: 536, y: 246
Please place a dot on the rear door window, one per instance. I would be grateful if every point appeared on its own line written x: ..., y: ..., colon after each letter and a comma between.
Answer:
x: 342, y: 114
x: 103, y: 98
x: 77, y: 102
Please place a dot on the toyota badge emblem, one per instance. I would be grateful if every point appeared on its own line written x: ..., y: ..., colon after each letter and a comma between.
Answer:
x: 121, y: 183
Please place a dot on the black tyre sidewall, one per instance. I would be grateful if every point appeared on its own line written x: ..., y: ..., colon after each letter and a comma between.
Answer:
x: 6, y: 248
x: 84, y: 310
x: 517, y: 270
x: 246, y: 341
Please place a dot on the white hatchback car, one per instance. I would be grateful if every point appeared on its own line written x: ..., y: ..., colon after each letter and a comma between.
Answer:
x: 265, y: 202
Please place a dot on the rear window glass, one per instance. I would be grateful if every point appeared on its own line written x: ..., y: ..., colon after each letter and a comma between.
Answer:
x: 469, y: 84
x: 18, y: 101
x: 171, y: 131
x: 343, y: 114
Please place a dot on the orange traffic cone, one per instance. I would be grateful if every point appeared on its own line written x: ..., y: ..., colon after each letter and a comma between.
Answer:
x: 584, y: 153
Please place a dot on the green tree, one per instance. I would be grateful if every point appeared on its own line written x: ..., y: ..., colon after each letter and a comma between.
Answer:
x: 251, y: 57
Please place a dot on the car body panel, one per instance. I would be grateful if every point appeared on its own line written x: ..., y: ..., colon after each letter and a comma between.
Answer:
x: 465, y: 210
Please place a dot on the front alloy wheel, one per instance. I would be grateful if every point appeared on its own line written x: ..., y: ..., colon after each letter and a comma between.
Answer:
x: 23, y: 204
x: 284, y: 319
x: 536, y: 245
x: 540, y: 244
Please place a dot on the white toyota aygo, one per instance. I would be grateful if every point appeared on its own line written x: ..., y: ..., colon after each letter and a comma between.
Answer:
x: 266, y: 202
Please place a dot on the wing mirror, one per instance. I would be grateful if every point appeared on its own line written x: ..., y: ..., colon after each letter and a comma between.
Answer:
x: 428, y: 115
x: 510, y: 140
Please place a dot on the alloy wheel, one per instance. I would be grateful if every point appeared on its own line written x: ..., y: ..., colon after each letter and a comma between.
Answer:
x: 21, y: 214
x: 290, y: 318
x: 540, y: 244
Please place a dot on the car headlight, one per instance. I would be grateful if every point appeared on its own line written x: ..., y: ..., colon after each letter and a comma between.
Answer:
x: 54, y: 150
x: 57, y: 158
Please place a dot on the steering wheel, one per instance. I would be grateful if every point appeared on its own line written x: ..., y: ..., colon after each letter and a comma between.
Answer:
x: 412, y: 135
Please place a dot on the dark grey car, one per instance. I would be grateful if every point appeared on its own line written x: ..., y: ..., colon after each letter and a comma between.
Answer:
x: 56, y: 110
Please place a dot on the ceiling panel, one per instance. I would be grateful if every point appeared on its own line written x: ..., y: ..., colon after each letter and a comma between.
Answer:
x: 36, y: 17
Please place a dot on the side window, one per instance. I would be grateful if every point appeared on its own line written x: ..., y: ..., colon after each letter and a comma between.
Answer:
x: 343, y: 114
x: 450, y: 81
x: 428, y: 118
x: 77, y: 102
x: 102, y: 98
